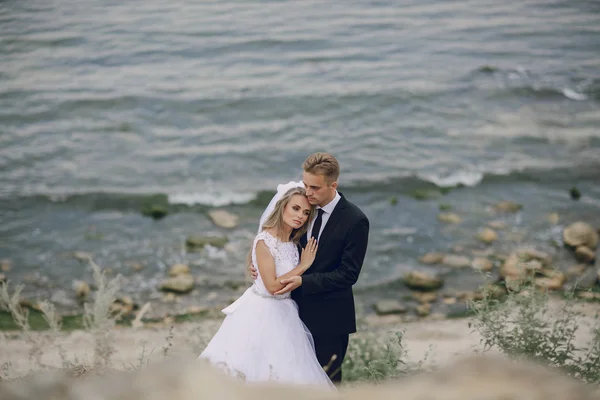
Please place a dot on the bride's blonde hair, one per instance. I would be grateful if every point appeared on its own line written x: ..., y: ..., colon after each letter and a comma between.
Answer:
x: 275, y: 220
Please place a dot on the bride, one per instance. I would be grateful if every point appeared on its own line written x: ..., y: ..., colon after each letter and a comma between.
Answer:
x: 262, y: 337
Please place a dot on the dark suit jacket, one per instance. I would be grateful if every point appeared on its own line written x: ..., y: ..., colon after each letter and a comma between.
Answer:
x: 325, y: 299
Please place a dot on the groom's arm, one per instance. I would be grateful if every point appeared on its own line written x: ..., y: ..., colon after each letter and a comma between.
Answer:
x: 346, y: 274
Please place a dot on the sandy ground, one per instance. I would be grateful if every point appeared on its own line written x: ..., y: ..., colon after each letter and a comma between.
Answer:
x: 442, y: 340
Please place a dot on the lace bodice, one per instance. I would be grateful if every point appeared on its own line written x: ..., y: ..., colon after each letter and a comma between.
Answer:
x: 285, y: 255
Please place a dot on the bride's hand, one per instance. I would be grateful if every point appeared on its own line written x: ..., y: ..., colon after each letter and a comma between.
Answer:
x: 309, y: 253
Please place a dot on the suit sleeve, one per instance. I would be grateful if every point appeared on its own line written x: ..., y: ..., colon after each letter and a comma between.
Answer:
x: 346, y: 274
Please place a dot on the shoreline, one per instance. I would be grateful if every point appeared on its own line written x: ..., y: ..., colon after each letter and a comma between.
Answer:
x: 432, y: 341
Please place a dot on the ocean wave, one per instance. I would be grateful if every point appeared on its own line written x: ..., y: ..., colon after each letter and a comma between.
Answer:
x: 523, y: 82
x: 211, y: 199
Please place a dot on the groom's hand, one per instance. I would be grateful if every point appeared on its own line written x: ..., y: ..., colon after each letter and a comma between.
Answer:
x: 290, y: 284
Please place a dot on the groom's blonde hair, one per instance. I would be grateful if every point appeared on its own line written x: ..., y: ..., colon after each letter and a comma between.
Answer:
x: 323, y: 164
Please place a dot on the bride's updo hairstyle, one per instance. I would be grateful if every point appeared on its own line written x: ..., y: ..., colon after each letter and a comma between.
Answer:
x: 275, y: 220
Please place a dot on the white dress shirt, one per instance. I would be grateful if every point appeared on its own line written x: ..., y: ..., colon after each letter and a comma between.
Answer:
x: 327, y: 210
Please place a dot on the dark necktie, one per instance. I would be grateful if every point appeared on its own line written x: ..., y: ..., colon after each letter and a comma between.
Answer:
x: 317, y: 226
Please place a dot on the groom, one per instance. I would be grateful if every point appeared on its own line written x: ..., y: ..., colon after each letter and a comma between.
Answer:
x: 324, y: 293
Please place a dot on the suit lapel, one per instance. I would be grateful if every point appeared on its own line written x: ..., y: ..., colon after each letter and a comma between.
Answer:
x: 334, y: 219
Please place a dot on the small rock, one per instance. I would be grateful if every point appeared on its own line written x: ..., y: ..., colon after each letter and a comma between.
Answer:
x: 424, y: 297
x: 196, y: 243
x: 422, y: 281
x: 553, y: 218
x: 576, y: 270
x: 588, y: 295
x: 508, y: 206
x: 5, y: 265
x: 2, y: 278
x: 551, y: 280
x: 179, y: 269
x: 523, y: 262
x: 585, y: 255
x: 26, y: 303
x: 386, y: 307
x: 487, y: 235
x: 179, y: 284
x: 196, y: 309
x: 135, y: 265
x: 170, y: 298
x: 423, y: 310
x: 548, y: 283
x: 432, y: 258
x: 500, y: 225
x: 82, y: 289
x: 482, y: 264
x: 465, y: 295
x: 456, y: 261
x: 574, y: 193
x: 81, y: 255
x: 450, y: 300
x: 580, y: 234
x: 223, y: 218
x: 529, y: 254
x: 450, y: 218
x: 155, y: 211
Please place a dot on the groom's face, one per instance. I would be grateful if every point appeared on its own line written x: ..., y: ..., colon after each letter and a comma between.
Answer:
x: 319, y: 193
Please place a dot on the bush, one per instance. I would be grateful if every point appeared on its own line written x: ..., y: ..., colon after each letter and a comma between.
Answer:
x: 372, y: 359
x: 527, y: 325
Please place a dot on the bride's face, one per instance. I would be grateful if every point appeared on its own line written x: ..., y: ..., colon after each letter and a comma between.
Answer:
x: 296, y: 212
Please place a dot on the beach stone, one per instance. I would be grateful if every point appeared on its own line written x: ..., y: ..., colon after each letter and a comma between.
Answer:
x: 5, y: 265
x: 585, y: 255
x: 551, y: 279
x: 588, y: 295
x: 451, y: 218
x: 422, y: 281
x: 155, y: 211
x: 507, y: 206
x: 386, y: 307
x: 524, y: 261
x: 135, y: 265
x: 456, y: 261
x: 179, y: 269
x: 423, y: 310
x: 432, y: 258
x: 553, y: 218
x: 82, y: 289
x: 576, y: 270
x: 482, y: 264
x: 196, y: 310
x: 500, y: 225
x: 424, y: 297
x: 548, y: 283
x: 169, y: 298
x: 196, y: 243
x: 223, y: 218
x: 487, y: 235
x: 182, y: 283
x: 580, y: 234
x: 81, y: 255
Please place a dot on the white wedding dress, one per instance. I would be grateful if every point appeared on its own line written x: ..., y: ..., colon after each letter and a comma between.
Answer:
x: 262, y: 337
